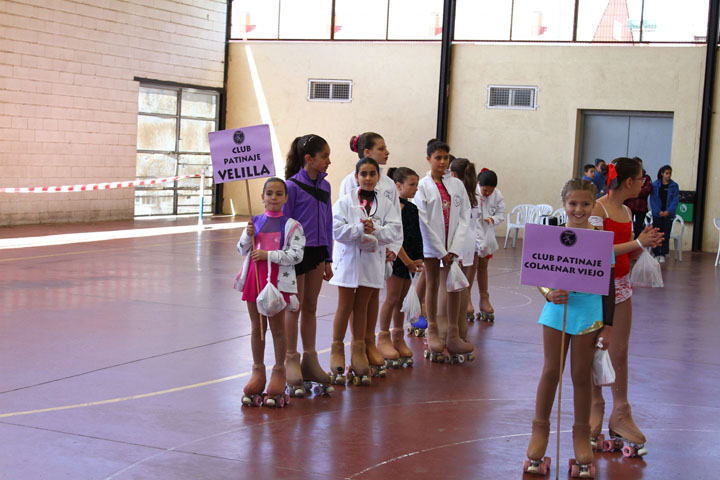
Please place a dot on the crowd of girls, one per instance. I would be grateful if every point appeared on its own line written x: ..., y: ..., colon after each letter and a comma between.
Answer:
x: 389, y: 229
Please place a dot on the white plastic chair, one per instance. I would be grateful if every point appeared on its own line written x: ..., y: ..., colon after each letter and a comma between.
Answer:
x: 561, y: 216
x: 543, y: 211
x: 677, y: 237
x: 716, y: 221
x: 524, y: 213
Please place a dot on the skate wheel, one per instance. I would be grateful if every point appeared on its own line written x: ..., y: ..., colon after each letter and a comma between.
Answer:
x: 526, y: 464
x: 608, y: 445
x: 641, y: 452
x: 329, y: 390
x: 281, y: 402
x: 269, y: 402
x: 258, y: 400
x: 409, y: 362
x: 246, y: 401
x: 356, y: 380
x: 628, y: 451
x: 426, y: 353
x: 366, y: 380
x: 461, y: 358
x: 574, y: 470
x: 287, y: 399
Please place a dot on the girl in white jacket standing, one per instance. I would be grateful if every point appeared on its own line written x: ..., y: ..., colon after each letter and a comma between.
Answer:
x: 372, y: 145
x: 364, y: 224
x: 464, y: 170
x: 444, y: 211
x: 492, y: 213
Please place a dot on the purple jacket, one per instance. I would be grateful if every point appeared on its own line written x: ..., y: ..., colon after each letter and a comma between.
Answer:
x: 311, y: 205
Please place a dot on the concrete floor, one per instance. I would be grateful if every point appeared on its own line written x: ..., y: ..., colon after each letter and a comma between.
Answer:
x: 126, y: 359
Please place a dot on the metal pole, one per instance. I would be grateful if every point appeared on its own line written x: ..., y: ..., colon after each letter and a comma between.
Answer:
x: 705, y: 124
x: 445, y: 65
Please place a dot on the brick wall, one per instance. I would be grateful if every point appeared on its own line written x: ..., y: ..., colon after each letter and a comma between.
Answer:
x: 68, y: 101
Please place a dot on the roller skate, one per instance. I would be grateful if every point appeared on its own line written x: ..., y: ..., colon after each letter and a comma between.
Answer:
x: 470, y: 317
x: 435, y: 351
x: 387, y: 350
x: 623, y: 429
x: 582, y: 466
x: 294, y: 375
x: 376, y: 361
x: 399, y: 344
x: 458, y: 349
x: 487, y: 313
x: 277, y: 395
x: 536, y: 464
x: 597, y: 412
x: 337, y: 363
x: 315, y: 378
x: 253, y: 391
x: 418, y: 327
x: 358, y: 373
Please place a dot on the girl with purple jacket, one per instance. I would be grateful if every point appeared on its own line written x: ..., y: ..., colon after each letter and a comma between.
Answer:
x: 309, y: 203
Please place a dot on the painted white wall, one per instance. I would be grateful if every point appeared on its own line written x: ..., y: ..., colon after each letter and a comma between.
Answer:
x: 68, y: 101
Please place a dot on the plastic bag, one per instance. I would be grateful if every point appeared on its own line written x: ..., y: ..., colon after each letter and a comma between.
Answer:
x: 388, y: 269
x: 368, y: 243
x: 603, y: 371
x: 456, y: 280
x: 294, y: 304
x: 270, y: 301
x: 411, y: 303
x: 646, y: 272
x: 489, y: 245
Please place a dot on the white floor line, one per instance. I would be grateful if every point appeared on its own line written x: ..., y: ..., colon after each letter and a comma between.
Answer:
x: 67, y: 238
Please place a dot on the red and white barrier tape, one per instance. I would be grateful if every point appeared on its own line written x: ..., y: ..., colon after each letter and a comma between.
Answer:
x: 94, y: 186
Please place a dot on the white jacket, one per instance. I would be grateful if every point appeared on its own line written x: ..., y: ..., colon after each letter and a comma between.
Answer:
x: 470, y: 242
x: 432, y: 223
x: 385, y: 188
x: 351, y: 266
x: 492, y: 206
x: 290, y: 255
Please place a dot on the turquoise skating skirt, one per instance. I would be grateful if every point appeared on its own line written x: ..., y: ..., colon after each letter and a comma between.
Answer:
x: 584, y: 314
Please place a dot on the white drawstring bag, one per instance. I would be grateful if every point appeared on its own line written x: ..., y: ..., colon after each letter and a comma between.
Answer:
x: 456, y: 281
x: 603, y: 371
x: 294, y: 304
x: 270, y: 302
x: 411, y: 303
x: 646, y: 272
x: 489, y: 245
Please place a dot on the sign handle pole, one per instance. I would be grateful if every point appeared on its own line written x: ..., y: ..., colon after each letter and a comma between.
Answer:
x: 562, y: 361
x: 257, y: 278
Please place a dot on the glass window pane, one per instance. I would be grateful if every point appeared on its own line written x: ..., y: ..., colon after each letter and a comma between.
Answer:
x: 543, y: 20
x: 483, y: 20
x: 196, y: 104
x: 361, y: 20
x: 665, y: 21
x: 415, y: 20
x: 194, y: 135
x: 305, y: 19
x: 254, y: 19
x: 607, y: 21
x: 156, y: 133
x: 156, y: 100
x: 155, y: 165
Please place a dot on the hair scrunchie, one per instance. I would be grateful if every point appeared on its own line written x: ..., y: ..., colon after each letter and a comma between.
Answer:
x: 612, y: 174
x: 354, y: 144
x: 484, y: 169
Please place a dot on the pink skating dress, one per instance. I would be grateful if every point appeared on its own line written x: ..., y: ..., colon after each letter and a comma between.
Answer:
x: 269, y: 232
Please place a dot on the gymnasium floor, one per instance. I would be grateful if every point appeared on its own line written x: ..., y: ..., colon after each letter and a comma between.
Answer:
x: 126, y: 359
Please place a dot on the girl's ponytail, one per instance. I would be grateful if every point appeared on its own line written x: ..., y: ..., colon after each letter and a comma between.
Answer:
x: 306, y: 145
x: 465, y: 171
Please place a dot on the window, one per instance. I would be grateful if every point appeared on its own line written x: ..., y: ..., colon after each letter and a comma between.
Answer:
x: 415, y: 20
x: 544, y: 20
x: 483, y: 20
x: 305, y: 19
x: 329, y: 90
x: 361, y: 20
x: 172, y: 140
x: 255, y: 19
x: 507, y: 97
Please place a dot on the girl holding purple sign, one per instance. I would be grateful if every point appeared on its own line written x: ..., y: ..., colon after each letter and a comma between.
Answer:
x: 588, y: 322
x: 625, y: 180
x: 278, y: 242
x: 309, y: 203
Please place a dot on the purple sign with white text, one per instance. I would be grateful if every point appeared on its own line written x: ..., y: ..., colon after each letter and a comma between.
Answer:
x: 241, y: 153
x: 573, y: 259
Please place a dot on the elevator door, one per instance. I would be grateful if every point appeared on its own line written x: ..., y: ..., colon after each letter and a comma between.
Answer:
x: 608, y: 135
